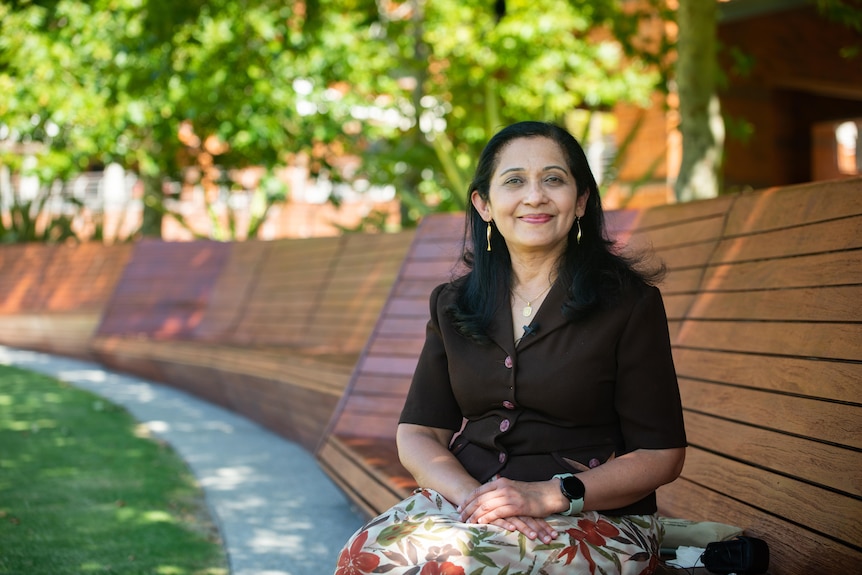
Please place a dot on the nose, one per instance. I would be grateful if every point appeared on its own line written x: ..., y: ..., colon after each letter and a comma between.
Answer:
x: 535, y: 193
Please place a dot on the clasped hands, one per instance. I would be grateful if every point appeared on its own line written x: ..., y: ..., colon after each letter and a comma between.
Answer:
x: 515, y: 506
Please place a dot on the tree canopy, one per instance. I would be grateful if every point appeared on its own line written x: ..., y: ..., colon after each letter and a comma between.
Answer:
x: 412, y: 88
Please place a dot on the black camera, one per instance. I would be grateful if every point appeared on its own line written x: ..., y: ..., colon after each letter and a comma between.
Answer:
x: 741, y: 555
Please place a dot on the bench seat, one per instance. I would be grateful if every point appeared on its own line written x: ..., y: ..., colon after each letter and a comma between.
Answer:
x: 762, y: 296
x: 52, y: 296
x: 271, y: 330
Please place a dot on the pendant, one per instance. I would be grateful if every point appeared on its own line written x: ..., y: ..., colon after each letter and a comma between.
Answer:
x: 527, y: 311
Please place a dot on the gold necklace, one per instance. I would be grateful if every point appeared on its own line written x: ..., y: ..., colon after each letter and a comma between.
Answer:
x: 527, y: 311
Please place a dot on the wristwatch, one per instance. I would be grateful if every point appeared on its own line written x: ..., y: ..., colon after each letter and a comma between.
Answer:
x: 573, y: 489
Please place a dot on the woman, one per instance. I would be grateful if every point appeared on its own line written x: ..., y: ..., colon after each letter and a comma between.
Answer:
x: 544, y: 411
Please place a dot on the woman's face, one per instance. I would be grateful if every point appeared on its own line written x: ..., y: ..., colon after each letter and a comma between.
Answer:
x: 532, y: 197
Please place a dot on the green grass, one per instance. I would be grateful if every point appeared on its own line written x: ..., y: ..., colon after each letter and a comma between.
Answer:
x: 84, y: 490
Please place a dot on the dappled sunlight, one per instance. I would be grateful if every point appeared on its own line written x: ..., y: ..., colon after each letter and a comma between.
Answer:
x: 267, y: 540
x: 157, y: 517
x: 133, y: 515
x: 33, y: 426
x: 157, y: 427
x: 94, y: 375
x: 228, y: 478
x: 198, y: 426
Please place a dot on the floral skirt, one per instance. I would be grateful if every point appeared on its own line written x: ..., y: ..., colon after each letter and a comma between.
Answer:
x: 423, y: 535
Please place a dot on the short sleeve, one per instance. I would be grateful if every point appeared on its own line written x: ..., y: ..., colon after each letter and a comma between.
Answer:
x: 647, y: 398
x: 430, y: 400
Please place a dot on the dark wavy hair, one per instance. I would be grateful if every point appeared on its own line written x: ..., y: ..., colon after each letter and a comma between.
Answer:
x: 594, y: 272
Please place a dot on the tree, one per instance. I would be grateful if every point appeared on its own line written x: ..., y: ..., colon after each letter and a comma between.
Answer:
x: 90, y: 81
x: 115, y: 80
x: 413, y: 88
x: 701, y: 122
x: 461, y: 69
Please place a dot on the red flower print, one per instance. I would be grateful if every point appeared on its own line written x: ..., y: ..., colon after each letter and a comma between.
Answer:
x: 588, y: 532
x: 441, y: 553
x: 595, y: 533
x: 354, y: 561
x: 446, y: 568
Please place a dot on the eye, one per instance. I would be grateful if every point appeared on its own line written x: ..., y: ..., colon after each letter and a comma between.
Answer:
x: 514, y: 180
x: 554, y: 179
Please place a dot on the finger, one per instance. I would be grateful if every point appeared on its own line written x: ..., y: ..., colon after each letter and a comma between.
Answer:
x: 484, y: 505
x: 506, y: 524
x: 473, y: 496
x: 524, y: 527
x: 488, y: 506
x: 543, y: 530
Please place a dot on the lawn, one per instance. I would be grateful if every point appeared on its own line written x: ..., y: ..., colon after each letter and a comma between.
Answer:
x: 84, y: 489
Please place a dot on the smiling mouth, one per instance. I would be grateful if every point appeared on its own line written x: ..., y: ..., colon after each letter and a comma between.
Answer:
x: 536, y: 218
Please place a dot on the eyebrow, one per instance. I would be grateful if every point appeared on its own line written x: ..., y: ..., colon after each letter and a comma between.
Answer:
x: 545, y: 169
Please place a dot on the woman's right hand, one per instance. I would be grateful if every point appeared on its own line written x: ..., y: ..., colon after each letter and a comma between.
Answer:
x: 531, y: 527
x: 515, y: 505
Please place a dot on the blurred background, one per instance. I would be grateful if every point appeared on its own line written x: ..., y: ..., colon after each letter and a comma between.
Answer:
x: 240, y: 119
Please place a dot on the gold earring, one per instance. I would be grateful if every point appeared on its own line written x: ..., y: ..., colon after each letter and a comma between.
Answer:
x: 578, y: 222
x: 488, y: 234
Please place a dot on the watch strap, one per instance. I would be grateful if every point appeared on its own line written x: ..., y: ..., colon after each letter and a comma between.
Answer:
x: 575, y: 505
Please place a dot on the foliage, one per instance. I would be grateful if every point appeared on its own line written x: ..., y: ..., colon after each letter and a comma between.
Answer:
x: 28, y: 221
x: 82, y: 491
x: 413, y: 88
x: 459, y: 73
x: 847, y: 12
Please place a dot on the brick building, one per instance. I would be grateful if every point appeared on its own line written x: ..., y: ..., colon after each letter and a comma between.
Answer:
x: 792, y: 102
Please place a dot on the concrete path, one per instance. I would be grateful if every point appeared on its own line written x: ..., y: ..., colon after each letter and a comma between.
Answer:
x: 267, y: 495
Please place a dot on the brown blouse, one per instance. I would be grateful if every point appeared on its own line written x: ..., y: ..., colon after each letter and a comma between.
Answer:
x: 585, y: 391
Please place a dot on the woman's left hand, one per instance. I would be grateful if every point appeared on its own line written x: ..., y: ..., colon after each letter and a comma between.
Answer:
x: 514, y: 505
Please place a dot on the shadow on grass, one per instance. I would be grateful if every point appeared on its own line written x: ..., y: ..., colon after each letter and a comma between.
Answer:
x: 84, y: 489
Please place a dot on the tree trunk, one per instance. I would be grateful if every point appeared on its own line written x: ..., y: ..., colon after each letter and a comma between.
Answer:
x: 701, y: 123
x: 153, y: 207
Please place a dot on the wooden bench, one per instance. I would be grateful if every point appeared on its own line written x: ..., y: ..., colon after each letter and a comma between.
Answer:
x: 271, y: 330
x: 52, y: 296
x: 764, y: 301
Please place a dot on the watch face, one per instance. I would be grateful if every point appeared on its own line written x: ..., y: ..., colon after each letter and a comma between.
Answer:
x: 573, y: 487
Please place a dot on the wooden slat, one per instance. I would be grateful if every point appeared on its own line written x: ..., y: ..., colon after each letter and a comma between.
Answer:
x: 837, y: 341
x: 822, y: 464
x: 670, y: 215
x: 817, y: 238
x: 809, y: 271
x: 23, y: 272
x: 369, y: 416
x: 677, y: 305
x: 821, y: 510
x: 832, y: 422
x: 283, y: 300
x: 814, y: 304
x: 685, y: 257
x: 371, y: 490
x: 358, y: 287
x: 795, y: 205
x: 232, y: 291
x: 81, y: 278
x: 52, y: 297
x: 165, y: 289
x: 830, y: 380
x: 682, y: 281
x: 685, y: 234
